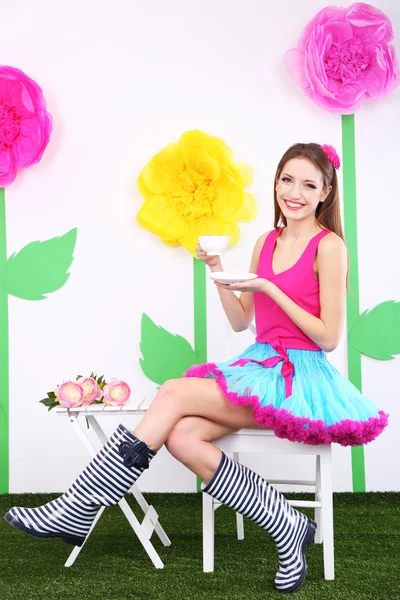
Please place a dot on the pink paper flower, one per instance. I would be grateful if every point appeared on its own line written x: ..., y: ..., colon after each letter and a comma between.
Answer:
x: 343, y: 56
x: 70, y: 394
x: 116, y: 393
x: 91, y: 391
x: 25, y: 125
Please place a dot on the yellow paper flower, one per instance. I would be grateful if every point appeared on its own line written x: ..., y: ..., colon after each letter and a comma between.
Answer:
x: 194, y: 188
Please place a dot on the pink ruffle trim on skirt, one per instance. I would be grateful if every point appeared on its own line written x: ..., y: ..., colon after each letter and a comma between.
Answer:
x: 298, y: 429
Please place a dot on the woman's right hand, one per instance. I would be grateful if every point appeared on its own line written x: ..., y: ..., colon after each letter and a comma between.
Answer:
x: 214, y: 262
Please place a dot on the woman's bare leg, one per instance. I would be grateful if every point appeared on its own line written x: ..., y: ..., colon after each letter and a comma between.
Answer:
x: 194, y: 397
x: 111, y: 473
x: 189, y: 442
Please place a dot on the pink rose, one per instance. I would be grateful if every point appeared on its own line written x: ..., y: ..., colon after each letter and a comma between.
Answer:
x: 116, y: 393
x: 343, y: 56
x: 70, y: 394
x: 91, y: 390
x: 25, y: 124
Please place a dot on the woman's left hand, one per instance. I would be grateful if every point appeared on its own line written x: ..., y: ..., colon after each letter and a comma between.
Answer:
x: 251, y: 285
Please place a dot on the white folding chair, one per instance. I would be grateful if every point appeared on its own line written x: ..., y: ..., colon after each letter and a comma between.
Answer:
x: 256, y: 441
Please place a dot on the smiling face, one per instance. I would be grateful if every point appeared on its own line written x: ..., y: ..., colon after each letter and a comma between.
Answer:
x: 299, y: 189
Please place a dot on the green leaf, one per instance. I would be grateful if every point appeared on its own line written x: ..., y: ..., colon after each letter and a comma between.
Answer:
x: 40, y: 267
x: 51, y: 394
x: 376, y: 332
x: 48, y: 402
x: 165, y: 355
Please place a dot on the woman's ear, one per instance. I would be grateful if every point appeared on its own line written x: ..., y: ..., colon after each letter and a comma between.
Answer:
x: 326, y: 194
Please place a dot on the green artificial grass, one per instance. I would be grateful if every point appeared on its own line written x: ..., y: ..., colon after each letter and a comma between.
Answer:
x: 114, y: 566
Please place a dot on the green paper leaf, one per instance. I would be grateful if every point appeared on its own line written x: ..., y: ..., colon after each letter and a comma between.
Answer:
x: 40, y: 267
x: 165, y: 355
x: 376, y: 332
x: 51, y: 395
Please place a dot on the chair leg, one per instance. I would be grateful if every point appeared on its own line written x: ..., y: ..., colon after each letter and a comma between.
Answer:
x: 76, y: 551
x: 239, y: 517
x: 327, y: 512
x: 141, y: 533
x: 239, y: 526
x: 319, y: 536
x: 208, y: 533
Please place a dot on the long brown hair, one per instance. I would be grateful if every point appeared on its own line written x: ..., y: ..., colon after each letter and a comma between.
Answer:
x: 328, y: 212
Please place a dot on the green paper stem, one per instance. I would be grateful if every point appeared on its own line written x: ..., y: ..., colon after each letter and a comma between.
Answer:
x: 4, y: 359
x: 200, y: 309
x: 38, y: 269
x: 353, y: 298
x: 200, y: 317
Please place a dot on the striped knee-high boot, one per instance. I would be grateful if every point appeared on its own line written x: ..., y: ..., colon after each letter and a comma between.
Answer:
x: 249, y: 494
x: 106, y: 479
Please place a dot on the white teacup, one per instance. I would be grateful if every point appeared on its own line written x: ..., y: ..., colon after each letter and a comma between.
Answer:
x: 213, y: 245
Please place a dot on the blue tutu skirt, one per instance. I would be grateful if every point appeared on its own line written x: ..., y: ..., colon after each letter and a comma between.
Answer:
x: 305, y: 399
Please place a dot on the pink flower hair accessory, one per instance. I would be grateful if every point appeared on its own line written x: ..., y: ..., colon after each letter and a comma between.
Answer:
x: 332, y: 155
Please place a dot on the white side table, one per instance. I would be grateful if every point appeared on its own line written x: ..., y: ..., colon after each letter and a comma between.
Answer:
x: 94, y: 415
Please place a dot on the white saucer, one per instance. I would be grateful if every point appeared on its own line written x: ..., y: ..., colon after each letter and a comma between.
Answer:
x: 231, y: 276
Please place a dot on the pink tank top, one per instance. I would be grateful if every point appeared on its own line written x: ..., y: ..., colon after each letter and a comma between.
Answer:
x: 299, y: 283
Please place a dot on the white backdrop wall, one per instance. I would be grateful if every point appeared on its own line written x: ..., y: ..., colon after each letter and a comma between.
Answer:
x: 122, y: 79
